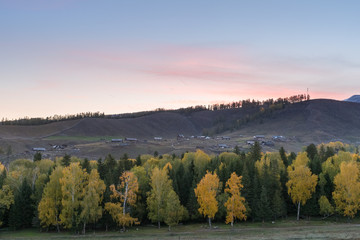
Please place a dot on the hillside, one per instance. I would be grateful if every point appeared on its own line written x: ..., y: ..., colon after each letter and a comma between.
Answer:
x: 316, y: 120
x: 306, y: 122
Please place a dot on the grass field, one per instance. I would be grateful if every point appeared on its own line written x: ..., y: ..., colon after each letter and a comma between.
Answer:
x: 278, y: 230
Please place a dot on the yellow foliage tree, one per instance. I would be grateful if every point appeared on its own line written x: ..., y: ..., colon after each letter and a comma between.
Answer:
x: 206, y: 192
x: 91, y: 203
x: 235, y: 204
x: 301, y: 182
x: 126, y: 193
x: 347, y: 189
x: 72, y: 183
x: 50, y: 204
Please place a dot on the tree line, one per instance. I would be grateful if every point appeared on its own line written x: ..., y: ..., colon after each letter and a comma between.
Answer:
x: 78, y: 194
x: 268, y: 104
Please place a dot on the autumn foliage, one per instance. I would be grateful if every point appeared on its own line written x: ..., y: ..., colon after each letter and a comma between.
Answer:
x: 82, y: 195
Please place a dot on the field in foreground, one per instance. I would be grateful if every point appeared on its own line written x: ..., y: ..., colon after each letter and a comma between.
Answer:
x: 278, y: 230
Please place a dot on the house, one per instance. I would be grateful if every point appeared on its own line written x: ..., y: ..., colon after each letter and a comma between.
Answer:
x: 225, y: 138
x: 38, y: 149
x: 131, y: 139
x: 259, y: 137
x: 158, y: 138
x: 279, y: 138
x: 268, y: 143
x: 180, y: 136
x: 250, y: 142
x: 221, y: 145
x: 115, y: 140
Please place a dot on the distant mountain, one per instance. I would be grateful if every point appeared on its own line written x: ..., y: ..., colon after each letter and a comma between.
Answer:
x: 354, y: 98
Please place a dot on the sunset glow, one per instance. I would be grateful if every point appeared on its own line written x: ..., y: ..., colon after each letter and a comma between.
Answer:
x: 66, y: 57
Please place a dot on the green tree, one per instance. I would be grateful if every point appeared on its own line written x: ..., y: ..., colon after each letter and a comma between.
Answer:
x: 175, y: 212
x: 66, y: 160
x: 326, y: 209
x: 157, y: 199
x: 85, y: 164
x: 22, y: 212
x: 37, y: 156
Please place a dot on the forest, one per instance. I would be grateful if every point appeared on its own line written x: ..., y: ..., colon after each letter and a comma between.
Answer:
x: 72, y: 194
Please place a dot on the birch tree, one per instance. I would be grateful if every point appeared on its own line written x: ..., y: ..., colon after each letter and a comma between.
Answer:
x: 93, y: 196
x: 301, y: 182
x: 126, y: 194
x: 235, y: 204
x: 206, y: 192
x: 347, y: 189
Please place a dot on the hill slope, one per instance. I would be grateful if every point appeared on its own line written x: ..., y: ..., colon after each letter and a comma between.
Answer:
x: 306, y: 122
x: 317, y: 120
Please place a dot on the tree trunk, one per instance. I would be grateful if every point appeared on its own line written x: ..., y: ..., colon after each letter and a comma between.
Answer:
x: 169, y: 228
x: 84, y: 229
x: 298, y: 212
x: 57, y: 224
x: 210, y: 223
x: 159, y: 224
x: 232, y: 223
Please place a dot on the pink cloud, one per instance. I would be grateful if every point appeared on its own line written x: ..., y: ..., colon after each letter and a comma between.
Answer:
x: 230, y: 71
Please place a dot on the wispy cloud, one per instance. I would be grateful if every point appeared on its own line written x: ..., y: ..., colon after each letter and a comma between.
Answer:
x: 217, y: 70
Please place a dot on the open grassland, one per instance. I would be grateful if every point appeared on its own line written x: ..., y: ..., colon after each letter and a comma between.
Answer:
x: 278, y: 230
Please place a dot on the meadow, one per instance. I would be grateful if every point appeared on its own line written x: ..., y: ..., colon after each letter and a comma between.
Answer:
x: 284, y: 229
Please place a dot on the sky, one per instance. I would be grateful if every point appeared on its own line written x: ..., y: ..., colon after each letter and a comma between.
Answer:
x: 117, y: 56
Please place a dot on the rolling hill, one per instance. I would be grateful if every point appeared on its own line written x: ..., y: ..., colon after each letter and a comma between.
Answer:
x: 313, y: 121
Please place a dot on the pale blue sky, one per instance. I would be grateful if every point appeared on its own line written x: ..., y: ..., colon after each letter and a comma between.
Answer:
x: 72, y: 56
